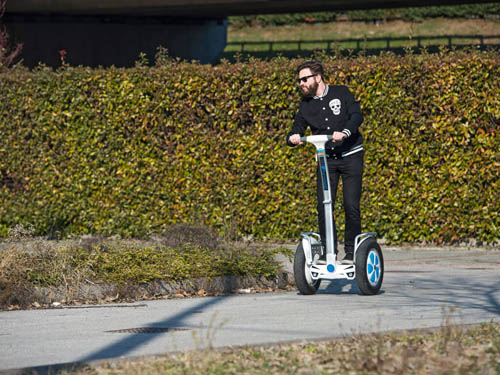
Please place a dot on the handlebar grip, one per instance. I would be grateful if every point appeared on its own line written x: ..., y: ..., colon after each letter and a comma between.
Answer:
x: 328, y: 137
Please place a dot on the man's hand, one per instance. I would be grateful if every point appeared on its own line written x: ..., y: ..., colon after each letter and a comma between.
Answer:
x: 338, y: 136
x: 295, y: 139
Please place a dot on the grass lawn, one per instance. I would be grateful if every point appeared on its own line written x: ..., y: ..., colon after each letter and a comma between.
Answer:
x: 364, y: 32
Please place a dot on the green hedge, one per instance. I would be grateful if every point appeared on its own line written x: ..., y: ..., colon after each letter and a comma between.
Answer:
x: 133, y: 151
x: 482, y: 10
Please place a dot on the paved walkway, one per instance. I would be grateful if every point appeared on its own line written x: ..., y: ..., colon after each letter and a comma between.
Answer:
x: 422, y: 288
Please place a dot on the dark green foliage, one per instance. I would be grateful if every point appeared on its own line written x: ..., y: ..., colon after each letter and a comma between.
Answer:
x: 282, y: 19
x: 482, y: 10
x: 134, y: 151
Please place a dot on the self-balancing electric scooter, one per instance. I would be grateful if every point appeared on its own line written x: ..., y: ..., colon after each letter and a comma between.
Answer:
x: 312, y: 264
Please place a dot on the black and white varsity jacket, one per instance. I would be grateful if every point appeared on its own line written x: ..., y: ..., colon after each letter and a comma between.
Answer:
x: 335, y: 110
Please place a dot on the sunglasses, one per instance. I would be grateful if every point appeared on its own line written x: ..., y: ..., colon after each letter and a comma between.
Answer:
x: 304, y: 79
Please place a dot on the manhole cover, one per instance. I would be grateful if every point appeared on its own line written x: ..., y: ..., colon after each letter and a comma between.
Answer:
x: 150, y: 330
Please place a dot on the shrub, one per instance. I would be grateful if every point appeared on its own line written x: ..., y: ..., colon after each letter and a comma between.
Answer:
x: 135, y: 151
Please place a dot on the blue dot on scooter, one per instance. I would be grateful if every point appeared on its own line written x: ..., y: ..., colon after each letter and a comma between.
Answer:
x: 330, y: 268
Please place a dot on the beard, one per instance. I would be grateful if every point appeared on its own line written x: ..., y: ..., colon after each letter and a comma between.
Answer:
x: 310, y: 91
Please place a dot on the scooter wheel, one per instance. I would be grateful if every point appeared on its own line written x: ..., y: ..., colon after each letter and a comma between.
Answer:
x: 302, y: 274
x: 369, y: 267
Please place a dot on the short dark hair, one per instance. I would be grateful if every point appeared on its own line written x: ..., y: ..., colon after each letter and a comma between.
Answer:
x: 314, y: 66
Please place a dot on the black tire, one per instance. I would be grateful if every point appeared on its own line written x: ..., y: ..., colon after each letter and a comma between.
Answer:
x: 304, y: 285
x: 369, y: 267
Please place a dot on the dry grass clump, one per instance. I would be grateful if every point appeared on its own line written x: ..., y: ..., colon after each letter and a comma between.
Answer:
x: 459, y: 350
x: 182, y: 235
x: 14, y: 289
x: 36, y: 272
x: 35, y: 263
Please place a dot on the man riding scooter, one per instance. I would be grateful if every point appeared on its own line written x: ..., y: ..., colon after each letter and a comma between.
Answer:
x: 333, y: 110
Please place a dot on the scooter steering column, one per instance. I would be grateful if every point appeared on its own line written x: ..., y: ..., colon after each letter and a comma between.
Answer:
x: 319, y: 142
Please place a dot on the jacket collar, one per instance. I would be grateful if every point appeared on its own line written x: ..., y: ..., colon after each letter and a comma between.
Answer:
x: 324, y: 93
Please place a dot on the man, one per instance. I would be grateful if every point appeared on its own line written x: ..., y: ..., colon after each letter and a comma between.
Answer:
x: 331, y: 109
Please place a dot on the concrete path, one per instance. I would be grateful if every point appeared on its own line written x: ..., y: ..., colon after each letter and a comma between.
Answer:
x: 422, y: 288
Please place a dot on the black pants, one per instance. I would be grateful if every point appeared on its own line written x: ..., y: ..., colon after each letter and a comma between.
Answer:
x: 350, y: 169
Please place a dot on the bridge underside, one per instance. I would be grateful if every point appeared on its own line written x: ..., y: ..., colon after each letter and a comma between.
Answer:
x: 206, y: 8
x: 115, y: 32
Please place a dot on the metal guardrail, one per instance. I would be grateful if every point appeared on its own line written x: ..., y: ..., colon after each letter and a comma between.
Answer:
x: 451, y: 40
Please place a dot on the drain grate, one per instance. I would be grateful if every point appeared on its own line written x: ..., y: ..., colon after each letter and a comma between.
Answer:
x: 149, y: 330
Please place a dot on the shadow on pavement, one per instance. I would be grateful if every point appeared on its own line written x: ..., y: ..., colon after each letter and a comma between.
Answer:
x: 464, y: 294
x: 125, y: 345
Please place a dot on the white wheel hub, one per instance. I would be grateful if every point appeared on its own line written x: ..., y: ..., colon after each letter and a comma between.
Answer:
x: 373, y: 267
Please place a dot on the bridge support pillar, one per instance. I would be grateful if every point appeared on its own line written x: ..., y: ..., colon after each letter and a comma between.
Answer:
x: 118, y: 41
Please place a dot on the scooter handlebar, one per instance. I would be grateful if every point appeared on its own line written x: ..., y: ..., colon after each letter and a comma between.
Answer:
x: 313, y: 138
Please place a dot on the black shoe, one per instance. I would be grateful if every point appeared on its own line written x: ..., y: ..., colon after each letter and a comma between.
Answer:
x: 348, y: 257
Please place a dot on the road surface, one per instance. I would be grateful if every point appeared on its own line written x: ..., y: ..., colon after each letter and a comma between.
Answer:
x: 422, y: 288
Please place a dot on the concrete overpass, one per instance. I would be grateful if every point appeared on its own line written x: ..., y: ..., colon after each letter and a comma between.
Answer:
x: 115, y: 32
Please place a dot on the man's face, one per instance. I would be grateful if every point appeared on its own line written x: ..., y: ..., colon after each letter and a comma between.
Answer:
x: 308, y: 82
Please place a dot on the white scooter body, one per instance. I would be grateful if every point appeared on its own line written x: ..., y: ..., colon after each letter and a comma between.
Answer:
x: 332, y: 268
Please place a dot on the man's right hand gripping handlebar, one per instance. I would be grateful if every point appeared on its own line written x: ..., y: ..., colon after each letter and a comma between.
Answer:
x: 295, y: 139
